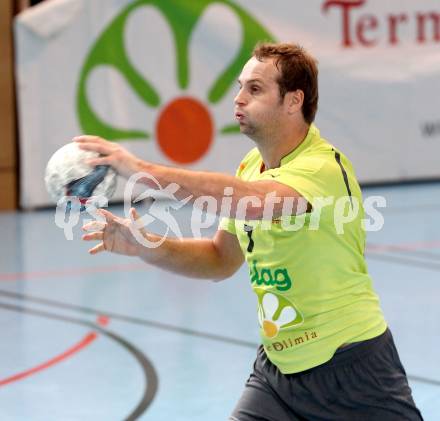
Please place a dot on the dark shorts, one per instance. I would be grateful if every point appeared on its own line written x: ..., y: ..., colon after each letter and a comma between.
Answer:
x: 362, y: 382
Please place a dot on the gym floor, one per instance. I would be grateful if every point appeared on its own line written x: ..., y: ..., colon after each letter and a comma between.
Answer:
x: 108, y: 337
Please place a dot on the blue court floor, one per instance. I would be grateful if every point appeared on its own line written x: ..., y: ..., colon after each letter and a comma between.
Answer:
x: 109, y: 338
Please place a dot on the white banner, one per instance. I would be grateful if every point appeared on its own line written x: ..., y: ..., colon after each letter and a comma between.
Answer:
x: 160, y: 76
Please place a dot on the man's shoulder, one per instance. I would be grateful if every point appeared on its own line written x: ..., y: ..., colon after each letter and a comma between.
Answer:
x: 319, y: 152
x: 320, y: 145
x: 322, y: 152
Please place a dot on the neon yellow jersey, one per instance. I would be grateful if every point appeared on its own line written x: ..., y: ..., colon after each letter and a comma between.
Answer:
x: 309, y: 272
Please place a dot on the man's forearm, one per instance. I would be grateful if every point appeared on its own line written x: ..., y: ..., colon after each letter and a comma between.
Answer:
x: 247, y: 199
x: 200, y: 183
x: 196, y: 258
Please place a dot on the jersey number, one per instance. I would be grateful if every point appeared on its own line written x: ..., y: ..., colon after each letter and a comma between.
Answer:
x: 250, y: 246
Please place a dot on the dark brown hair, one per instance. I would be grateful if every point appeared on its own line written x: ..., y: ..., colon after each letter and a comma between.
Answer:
x: 298, y: 70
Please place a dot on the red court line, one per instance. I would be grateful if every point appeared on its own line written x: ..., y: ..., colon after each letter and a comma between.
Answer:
x: 403, y: 246
x: 16, y: 276
x: 87, y: 340
x: 103, y: 320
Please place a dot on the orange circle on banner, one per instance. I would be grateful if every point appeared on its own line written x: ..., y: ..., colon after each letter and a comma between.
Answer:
x: 184, y: 130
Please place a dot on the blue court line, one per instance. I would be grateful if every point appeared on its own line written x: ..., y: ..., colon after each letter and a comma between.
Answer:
x: 424, y: 380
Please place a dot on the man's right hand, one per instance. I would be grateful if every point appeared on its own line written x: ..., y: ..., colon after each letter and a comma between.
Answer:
x: 124, y: 162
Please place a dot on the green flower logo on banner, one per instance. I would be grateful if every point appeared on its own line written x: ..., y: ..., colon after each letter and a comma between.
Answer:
x: 184, y: 128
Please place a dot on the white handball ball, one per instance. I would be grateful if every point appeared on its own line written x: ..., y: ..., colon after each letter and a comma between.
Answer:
x: 67, y: 174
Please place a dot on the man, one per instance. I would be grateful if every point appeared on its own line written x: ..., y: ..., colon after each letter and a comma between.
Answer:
x: 327, y: 353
